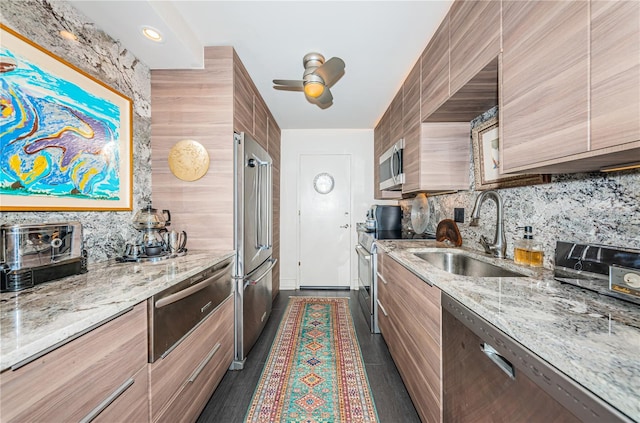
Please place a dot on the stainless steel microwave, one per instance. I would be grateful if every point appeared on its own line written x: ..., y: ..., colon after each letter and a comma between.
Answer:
x: 391, y: 174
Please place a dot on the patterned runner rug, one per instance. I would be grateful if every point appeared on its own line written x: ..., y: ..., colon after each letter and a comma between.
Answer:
x: 315, y: 372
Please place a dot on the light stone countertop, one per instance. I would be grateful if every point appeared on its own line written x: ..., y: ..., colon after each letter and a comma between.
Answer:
x: 593, y: 339
x: 34, y: 320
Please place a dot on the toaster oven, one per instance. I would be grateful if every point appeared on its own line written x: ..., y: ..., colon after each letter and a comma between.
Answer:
x: 31, y: 254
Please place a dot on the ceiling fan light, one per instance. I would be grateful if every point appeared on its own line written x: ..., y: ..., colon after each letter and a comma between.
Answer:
x: 313, y: 89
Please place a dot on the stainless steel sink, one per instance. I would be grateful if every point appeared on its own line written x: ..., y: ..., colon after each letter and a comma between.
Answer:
x: 464, y: 265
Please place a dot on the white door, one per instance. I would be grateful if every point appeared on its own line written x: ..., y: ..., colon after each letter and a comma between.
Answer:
x: 324, y: 193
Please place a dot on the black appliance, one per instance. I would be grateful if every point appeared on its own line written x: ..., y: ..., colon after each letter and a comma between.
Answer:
x: 611, y: 271
x: 388, y: 218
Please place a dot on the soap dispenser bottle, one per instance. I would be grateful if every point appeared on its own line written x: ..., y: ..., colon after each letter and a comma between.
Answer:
x: 527, y: 251
x: 522, y: 246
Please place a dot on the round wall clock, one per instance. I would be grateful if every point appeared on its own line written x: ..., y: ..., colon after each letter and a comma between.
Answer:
x: 323, y: 183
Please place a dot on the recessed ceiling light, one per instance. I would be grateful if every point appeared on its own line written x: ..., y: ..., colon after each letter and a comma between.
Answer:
x: 152, y: 33
x: 68, y: 35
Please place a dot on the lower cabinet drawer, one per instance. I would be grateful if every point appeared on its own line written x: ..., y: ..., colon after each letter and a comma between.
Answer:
x: 76, y: 380
x: 182, y: 382
x: 132, y: 405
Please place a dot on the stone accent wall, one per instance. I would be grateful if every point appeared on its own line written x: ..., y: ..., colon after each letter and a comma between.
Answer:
x: 105, y: 233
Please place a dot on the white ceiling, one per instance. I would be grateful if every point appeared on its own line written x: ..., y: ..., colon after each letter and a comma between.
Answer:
x: 379, y: 40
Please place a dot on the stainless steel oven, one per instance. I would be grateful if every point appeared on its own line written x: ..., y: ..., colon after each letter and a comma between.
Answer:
x: 367, y: 267
x: 367, y: 276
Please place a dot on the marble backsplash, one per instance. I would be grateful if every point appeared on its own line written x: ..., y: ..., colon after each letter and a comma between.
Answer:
x: 105, y: 233
x: 595, y: 208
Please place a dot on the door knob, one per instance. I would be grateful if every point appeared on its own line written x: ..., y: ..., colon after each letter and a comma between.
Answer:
x: 345, y: 226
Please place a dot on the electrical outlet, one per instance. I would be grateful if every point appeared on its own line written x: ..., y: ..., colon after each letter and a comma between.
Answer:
x: 458, y: 215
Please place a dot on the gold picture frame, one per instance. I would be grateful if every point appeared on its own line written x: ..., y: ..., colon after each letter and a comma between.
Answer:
x: 67, y: 137
x: 486, y: 161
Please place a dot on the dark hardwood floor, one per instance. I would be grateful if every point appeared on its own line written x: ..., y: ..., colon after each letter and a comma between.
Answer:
x: 231, y: 399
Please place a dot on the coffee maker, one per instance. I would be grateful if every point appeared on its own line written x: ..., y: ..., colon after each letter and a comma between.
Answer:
x: 154, y: 242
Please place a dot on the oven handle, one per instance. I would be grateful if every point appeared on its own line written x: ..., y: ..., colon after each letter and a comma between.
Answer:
x: 359, y: 250
x: 170, y: 299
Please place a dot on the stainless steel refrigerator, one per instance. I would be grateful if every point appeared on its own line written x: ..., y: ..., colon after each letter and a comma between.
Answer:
x: 253, y: 216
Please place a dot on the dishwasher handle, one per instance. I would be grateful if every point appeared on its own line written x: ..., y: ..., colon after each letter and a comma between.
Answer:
x: 170, y: 299
x: 499, y: 360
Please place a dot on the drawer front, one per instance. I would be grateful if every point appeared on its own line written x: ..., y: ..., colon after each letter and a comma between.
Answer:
x: 70, y: 382
x: 132, y: 405
x: 199, y: 361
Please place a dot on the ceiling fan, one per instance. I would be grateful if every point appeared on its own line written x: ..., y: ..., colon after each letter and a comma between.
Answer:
x: 317, y: 78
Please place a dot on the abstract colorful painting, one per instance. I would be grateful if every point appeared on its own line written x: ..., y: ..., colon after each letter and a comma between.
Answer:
x: 65, y: 137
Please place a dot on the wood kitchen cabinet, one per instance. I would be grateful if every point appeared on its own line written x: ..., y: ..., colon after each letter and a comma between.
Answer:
x: 72, y: 381
x: 396, y: 129
x: 205, y: 105
x: 242, y: 97
x: 615, y: 74
x: 182, y: 382
x: 260, y: 121
x: 441, y: 160
x: 411, y: 126
x: 409, y: 320
x: 570, y: 73
x: 544, y: 108
x: 474, y: 39
x: 435, y: 71
x: 274, y: 137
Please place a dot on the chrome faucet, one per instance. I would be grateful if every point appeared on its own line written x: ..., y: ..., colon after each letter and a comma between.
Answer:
x: 499, y: 246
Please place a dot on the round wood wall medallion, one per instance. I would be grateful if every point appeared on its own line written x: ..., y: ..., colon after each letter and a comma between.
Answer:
x: 188, y: 160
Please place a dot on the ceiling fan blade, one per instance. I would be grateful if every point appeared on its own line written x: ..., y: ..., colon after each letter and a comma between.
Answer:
x: 289, y: 82
x: 331, y: 71
x: 288, y: 88
x: 325, y: 99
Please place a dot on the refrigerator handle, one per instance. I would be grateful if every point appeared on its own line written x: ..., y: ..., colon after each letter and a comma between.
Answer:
x: 262, y: 276
x: 258, y: 207
x: 270, y: 205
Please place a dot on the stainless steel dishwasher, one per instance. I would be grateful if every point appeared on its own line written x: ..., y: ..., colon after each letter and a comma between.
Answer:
x: 487, y: 376
x: 175, y: 312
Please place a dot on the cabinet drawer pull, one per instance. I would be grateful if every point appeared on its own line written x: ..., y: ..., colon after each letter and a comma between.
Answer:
x: 104, y: 404
x: 202, y: 365
x: 382, y: 308
x: 499, y: 360
x: 382, y: 279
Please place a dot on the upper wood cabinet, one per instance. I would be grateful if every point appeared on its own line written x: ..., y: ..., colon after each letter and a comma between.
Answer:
x: 411, y: 126
x: 474, y: 38
x: 260, y: 121
x: 570, y: 77
x: 396, y: 130
x: 615, y: 73
x: 242, y: 97
x: 545, y: 67
x: 441, y: 160
x: 435, y: 71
